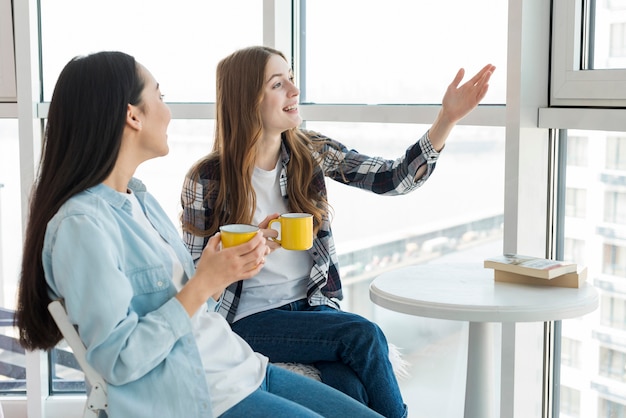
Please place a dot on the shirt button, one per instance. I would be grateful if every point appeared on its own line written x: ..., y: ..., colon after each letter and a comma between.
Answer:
x: 160, y: 283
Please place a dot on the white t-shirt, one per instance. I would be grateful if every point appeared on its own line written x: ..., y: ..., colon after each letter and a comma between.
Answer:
x: 285, y: 276
x: 232, y: 370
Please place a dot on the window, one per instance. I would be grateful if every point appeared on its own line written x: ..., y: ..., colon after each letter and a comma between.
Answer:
x: 577, y: 152
x: 570, y: 402
x: 570, y: 352
x: 618, y: 37
x: 595, y: 238
x: 613, y: 364
x: 615, y: 209
x: 611, y: 409
x: 349, y: 58
x: 8, y: 87
x: 574, y: 249
x: 613, y: 312
x: 575, y: 204
x: 585, y: 69
x: 180, y: 42
x: 614, y: 260
x: 616, y: 153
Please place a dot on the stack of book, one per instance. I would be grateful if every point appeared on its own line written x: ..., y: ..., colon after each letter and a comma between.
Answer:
x: 515, y: 268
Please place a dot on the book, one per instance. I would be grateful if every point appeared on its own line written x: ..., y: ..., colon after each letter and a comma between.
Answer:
x: 574, y: 280
x: 530, y: 266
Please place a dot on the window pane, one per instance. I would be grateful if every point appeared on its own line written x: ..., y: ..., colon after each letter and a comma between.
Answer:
x: 12, y: 360
x: 398, y: 51
x: 10, y: 212
x: 609, y: 43
x: 373, y: 233
x: 595, y: 236
x: 179, y: 42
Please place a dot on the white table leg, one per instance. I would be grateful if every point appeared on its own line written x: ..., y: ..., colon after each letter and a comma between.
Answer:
x: 479, y: 389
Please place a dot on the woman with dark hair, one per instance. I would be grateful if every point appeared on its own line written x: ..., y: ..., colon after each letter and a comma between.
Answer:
x: 97, y: 240
x: 263, y: 165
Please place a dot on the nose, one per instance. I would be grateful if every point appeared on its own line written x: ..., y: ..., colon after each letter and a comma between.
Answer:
x: 295, y: 91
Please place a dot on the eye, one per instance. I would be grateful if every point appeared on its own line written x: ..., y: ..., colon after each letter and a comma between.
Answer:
x: 277, y: 85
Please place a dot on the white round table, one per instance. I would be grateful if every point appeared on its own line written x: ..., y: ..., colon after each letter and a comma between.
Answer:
x: 468, y: 292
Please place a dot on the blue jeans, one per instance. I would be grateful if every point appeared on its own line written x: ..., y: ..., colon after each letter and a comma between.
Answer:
x: 351, y: 352
x: 290, y: 395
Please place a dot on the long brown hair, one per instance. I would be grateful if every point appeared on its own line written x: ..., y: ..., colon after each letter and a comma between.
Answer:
x: 238, y: 128
x: 83, y: 136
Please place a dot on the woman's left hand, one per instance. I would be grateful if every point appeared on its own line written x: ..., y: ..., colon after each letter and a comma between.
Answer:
x: 268, y: 232
x: 458, y: 101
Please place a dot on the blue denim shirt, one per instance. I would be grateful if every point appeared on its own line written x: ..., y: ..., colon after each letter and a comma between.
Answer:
x: 117, y: 288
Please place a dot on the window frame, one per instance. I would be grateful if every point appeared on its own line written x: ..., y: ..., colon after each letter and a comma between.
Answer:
x: 570, y: 85
x: 8, y: 85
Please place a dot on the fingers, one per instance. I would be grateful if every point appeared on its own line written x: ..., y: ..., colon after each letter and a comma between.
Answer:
x: 265, y: 222
x: 483, y: 76
x: 214, y: 242
x: 457, y: 79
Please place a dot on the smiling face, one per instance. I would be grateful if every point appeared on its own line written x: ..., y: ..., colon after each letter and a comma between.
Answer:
x: 279, y: 106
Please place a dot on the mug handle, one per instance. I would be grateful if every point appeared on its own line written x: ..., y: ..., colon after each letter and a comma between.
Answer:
x: 277, y: 240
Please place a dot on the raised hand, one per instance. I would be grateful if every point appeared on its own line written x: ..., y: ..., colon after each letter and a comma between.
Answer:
x: 459, y: 101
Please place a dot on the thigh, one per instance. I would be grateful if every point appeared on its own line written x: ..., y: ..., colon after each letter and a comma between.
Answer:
x: 314, y: 395
x: 305, y: 336
x: 262, y: 404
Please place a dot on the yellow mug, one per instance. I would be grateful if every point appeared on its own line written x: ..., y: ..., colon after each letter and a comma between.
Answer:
x: 296, y: 231
x: 235, y: 234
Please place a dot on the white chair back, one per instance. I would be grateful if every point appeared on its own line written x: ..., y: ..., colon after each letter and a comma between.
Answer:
x: 97, y: 399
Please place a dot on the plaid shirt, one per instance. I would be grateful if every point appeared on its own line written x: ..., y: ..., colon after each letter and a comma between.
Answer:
x: 381, y: 176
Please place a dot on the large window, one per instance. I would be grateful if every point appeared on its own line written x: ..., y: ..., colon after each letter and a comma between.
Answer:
x: 600, y: 375
x: 384, y: 52
x: 372, y: 75
x: 180, y: 42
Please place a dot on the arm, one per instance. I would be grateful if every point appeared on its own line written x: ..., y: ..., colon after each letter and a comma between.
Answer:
x: 405, y: 174
x: 458, y: 102
x: 123, y: 301
x: 127, y: 318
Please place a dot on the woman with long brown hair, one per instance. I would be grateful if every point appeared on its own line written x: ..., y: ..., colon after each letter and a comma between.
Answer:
x: 262, y: 165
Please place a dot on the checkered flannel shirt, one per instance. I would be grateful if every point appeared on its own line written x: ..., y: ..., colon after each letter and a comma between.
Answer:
x: 379, y: 175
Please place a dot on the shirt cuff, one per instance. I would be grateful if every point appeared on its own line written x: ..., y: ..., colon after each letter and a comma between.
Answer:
x: 213, y: 305
x: 429, y: 152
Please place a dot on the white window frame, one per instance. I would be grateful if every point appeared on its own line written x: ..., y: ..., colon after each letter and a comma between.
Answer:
x: 570, y: 85
x: 8, y: 86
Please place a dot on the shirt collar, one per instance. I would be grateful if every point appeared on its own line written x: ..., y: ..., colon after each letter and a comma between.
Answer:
x: 115, y: 198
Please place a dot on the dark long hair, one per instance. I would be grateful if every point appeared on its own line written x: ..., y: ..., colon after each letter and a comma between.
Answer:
x: 82, y: 140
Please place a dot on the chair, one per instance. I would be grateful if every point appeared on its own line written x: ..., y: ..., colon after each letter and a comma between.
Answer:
x: 97, y: 399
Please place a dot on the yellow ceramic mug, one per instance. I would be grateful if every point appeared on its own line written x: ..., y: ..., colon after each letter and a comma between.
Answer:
x: 235, y: 234
x: 296, y: 231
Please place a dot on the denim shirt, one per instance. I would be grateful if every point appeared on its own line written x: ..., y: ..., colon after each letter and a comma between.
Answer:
x: 117, y: 288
